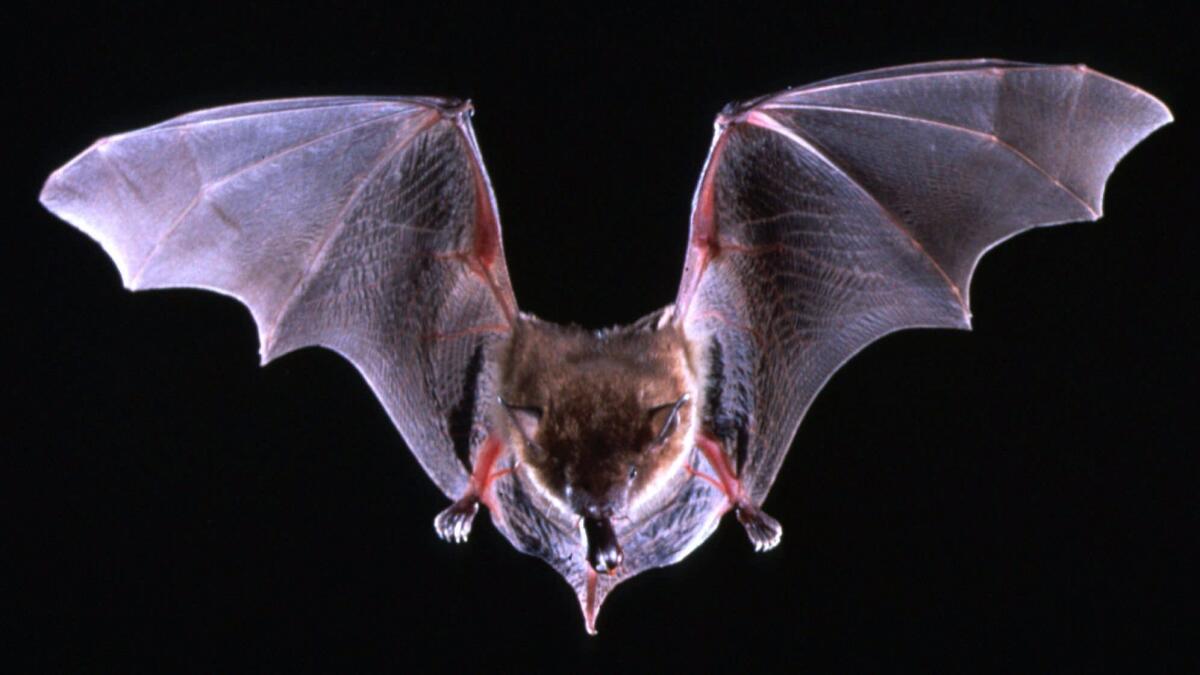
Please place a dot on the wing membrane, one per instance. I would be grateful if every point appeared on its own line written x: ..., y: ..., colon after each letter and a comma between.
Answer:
x: 831, y: 215
x: 363, y: 225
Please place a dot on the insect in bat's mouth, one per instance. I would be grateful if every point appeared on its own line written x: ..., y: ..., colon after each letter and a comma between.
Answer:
x: 604, y: 554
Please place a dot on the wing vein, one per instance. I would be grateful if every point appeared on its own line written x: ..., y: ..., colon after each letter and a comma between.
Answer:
x: 338, y: 224
x: 335, y: 103
x: 945, y: 125
x: 765, y: 121
x: 294, y: 148
x: 205, y: 188
x: 136, y: 279
x: 978, y: 68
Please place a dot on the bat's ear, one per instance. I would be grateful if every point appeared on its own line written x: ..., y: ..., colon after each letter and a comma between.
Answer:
x: 664, y: 419
x: 525, y: 418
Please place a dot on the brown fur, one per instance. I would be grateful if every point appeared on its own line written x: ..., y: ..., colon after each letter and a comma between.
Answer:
x: 597, y: 391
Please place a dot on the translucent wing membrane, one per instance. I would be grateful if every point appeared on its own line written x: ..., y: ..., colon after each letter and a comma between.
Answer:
x: 363, y: 225
x: 826, y: 217
x: 830, y: 215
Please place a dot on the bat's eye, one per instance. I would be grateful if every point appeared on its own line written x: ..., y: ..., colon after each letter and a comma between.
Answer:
x: 632, y: 472
x: 664, y: 419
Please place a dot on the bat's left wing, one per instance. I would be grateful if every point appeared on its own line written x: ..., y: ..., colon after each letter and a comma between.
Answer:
x: 831, y: 215
x: 363, y: 225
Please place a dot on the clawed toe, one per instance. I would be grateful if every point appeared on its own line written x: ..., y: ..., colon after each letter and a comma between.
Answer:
x: 763, y: 530
x: 454, y: 524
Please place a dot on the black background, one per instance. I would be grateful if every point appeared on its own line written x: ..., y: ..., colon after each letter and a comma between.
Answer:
x: 1019, y: 498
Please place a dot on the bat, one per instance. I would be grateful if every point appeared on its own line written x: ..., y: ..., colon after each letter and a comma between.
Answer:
x: 825, y: 217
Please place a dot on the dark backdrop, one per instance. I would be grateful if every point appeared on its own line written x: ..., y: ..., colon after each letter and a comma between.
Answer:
x: 1022, y: 497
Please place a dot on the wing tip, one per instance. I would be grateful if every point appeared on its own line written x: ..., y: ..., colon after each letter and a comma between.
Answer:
x: 1161, y: 114
x: 51, y: 195
x: 1165, y: 115
x: 1155, y: 115
x: 47, y: 193
x: 55, y: 198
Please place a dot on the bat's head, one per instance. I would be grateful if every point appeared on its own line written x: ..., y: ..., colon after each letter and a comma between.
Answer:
x: 601, y: 421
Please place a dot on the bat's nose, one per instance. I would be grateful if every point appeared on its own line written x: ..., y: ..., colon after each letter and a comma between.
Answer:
x: 597, y: 503
x: 597, y: 510
x: 598, y: 496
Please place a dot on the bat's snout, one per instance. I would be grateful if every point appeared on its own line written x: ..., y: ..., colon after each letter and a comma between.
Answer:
x: 598, y: 488
x: 598, y: 508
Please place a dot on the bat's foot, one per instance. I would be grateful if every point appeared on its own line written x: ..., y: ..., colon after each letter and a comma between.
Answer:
x: 454, y: 524
x: 763, y: 530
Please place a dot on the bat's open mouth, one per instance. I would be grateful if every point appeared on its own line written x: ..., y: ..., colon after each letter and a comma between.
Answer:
x: 603, y: 552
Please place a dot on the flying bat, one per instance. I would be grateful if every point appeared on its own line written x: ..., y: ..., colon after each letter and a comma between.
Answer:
x: 826, y: 217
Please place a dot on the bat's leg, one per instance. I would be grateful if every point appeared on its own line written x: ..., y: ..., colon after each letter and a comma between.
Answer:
x: 763, y: 530
x: 454, y: 523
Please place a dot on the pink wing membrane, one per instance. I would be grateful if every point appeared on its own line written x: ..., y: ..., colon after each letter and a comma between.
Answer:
x: 350, y: 223
x: 833, y: 214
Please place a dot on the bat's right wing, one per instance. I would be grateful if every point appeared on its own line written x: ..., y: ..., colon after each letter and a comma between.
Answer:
x: 831, y: 215
x: 367, y: 226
